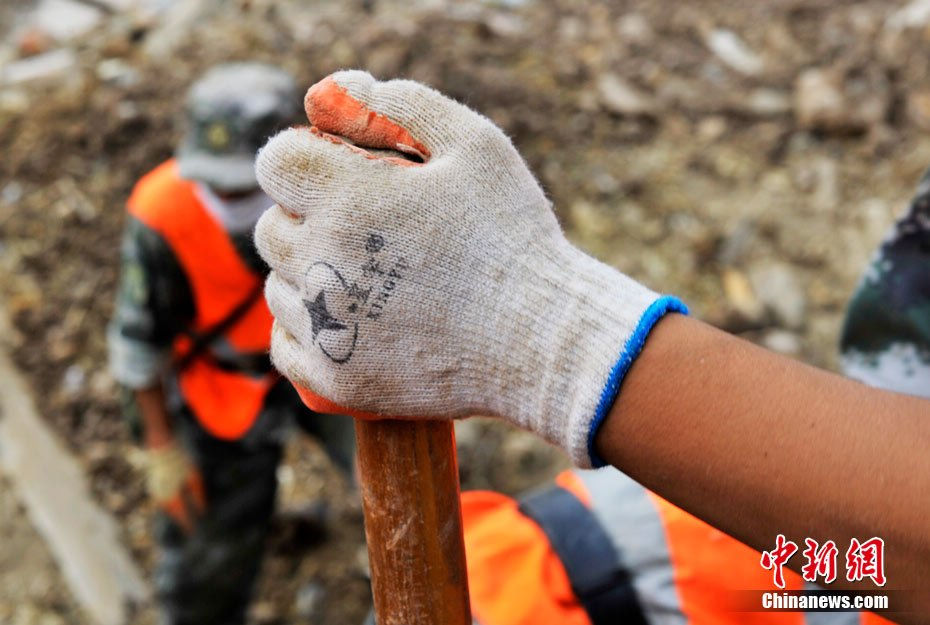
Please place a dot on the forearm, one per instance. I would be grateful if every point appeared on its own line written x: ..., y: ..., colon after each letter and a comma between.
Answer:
x: 757, y: 445
x: 156, y: 422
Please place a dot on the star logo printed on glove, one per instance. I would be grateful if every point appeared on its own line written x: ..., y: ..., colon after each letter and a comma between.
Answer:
x: 320, y: 317
x: 328, y: 292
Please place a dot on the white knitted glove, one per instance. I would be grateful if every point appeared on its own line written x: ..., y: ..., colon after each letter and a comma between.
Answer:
x: 442, y: 289
x: 174, y: 483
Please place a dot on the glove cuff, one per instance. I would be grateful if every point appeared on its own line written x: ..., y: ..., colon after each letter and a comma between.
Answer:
x: 634, y: 345
x: 594, y: 322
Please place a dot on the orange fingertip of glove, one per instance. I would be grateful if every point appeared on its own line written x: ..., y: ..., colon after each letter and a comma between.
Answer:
x: 318, y: 403
x: 333, y: 111
x: 339, y: 141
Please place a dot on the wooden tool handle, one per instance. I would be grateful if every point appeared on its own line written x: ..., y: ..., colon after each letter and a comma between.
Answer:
x: 413, y: 521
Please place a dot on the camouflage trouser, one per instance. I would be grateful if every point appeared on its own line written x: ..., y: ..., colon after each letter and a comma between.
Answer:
x: 206, y: 578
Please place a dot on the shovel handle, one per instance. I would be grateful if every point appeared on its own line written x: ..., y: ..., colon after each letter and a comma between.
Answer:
x: 408, y: 474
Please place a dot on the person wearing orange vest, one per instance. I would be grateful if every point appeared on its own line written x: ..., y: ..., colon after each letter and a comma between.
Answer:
x: 190, y: 339
x: 596, y: 548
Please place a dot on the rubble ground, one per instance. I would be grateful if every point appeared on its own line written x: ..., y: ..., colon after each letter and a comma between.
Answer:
x: 746, y: 156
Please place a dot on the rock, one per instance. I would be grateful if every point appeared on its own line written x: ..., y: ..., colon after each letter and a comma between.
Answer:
x: 102, y: 385
x: 285, y: 474
x: 740, y: 295
x: 780, y: 292
x: 32, y: 41
x: 505, y: 24
x: 766, y: 102
x: 26, y: 614
x: 827, y: 184
x: 914, y: 15
x: 73, y: 380
x: 618, y: 96
x: 734, y: 52
x: 467, y: 434
x: 820, y: 179
x: 683, y: 93
x: 11, y: 193
x: 735, y: 245
x: 865, y: 20
x: 634, y: 28
x: 711, y: 128
x: 605, y: 182
x: 360, y: 563
x: 65, y: 20
x: 173, y: 28
x: 823, y: 101
x: 828, y: 100
x: 590, y: 222
x: 142, y: 6
x: 819, y: 100
x: 571, y: 29
x: 117, y: 72
x: 918, y: 109
x: 50, y: 618
x: 264, y: 613
x: 783, y: 342
x: 41, y: 67
x: 13, y: 101
x: 870, y: 94
x: 309, y: 600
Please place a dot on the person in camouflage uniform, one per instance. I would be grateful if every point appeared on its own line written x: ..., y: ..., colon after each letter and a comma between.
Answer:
x: 886, y: 335
x: 215, y: 493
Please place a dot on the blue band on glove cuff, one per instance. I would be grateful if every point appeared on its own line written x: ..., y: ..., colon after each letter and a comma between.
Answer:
x: 631, y: 350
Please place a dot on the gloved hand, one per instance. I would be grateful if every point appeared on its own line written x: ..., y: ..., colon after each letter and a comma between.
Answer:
x: 439, y: 289
x: 175, y: 484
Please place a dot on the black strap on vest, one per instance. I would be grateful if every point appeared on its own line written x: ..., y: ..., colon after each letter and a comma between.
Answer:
x: 590, y: 558
x: 202, y: 340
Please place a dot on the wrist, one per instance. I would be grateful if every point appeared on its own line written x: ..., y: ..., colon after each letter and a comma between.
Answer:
x: 158, y: 437
x: 633, y: 347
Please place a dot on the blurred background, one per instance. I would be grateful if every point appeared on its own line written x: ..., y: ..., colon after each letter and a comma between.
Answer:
x: 746, y: 156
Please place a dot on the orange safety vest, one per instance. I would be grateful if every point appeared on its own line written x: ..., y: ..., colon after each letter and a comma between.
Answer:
x: 225, y: 402
x: 683, y: 570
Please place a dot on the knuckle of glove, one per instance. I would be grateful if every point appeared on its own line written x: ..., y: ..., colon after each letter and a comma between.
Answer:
x: 283, y: 165
x: 294, y: 165
x: 286, y: 304
x: 281, y: 241
x: 306, y: 173
x: 439, y: 121
x: 304, y: 366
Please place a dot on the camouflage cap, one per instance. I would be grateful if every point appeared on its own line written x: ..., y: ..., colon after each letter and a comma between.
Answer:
x: 231, y: 112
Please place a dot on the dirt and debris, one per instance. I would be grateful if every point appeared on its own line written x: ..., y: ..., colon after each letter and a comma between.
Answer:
x: 747, y: 158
